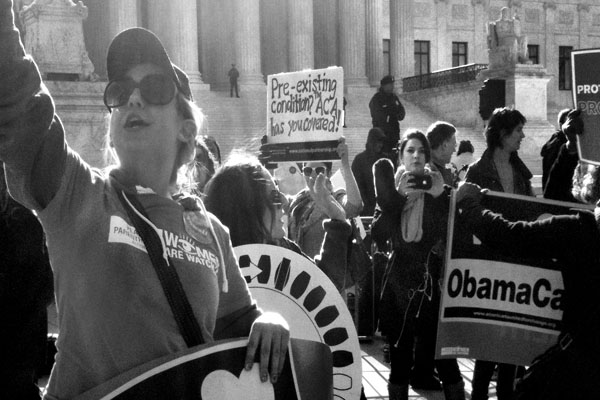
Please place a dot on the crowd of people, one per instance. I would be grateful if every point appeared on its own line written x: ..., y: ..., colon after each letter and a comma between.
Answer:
x: 168, y: 179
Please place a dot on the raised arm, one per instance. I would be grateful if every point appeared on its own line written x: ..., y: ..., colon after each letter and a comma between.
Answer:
x: 549, y: 237
x: 32, y: 144
x: 352, y: 202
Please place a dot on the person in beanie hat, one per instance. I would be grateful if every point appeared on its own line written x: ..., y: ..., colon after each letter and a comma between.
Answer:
x: 113, y: 312
x: 386, y: 113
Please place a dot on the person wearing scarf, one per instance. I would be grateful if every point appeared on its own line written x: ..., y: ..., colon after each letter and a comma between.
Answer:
x: 415, y: 221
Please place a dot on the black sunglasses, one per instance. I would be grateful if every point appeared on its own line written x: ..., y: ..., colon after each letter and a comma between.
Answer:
x: 276, y: 198
x: 307, y: 171
x: 155, y: 89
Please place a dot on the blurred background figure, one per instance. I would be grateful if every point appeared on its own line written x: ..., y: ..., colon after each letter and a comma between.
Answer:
x: 362, y: 168
x: 462, y: 160
x: 26, y: 290
x: 386, y: 113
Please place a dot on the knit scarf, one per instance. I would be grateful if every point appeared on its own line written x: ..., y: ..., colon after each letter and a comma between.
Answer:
x: 411, y: 225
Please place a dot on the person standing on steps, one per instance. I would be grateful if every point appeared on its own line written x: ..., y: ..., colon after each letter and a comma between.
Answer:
x: 233, y: 74
x: 386, y: 112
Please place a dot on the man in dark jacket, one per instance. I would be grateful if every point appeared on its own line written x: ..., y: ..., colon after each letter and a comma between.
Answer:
x: 386, y: 113
x: 442, y: 139
x: 551, y: 148
x: 233, y: 74
x: 574, y: 240
x: 362, y: 168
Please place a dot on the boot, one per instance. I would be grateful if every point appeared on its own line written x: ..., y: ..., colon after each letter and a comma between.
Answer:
x: 397, y: 392
x: 454, y: 391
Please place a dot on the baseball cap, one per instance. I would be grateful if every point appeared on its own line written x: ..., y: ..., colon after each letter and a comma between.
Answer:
x: 387, y: 79
x: 135, y: 46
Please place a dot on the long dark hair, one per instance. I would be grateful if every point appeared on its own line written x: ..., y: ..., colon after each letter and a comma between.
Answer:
x: 236, y: 195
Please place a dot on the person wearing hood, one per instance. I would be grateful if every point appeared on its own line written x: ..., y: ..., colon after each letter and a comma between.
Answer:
x: 114, y: 312
x: 362, y: 168
x: 386, y: 112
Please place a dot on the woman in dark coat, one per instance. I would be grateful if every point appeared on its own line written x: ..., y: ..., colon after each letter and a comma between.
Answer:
x: 500, y: 169
x: 414, y: 220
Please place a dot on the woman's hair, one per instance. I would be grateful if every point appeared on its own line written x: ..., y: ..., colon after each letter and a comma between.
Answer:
x: 415, y: 134
x: 465, y: 146
x: 502, y: 122
x: 586, y: 183
x: 237, y: 195
x: 213, y: 147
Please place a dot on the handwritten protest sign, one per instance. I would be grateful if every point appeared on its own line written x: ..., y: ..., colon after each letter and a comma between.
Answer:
x: 586, y: 96
x: 495, y: 306
x: 304, y: 115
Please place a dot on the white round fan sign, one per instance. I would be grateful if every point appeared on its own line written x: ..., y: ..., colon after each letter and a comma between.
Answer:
x: 283, y: 281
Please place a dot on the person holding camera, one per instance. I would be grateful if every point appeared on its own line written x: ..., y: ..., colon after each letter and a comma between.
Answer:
x: 411, y: 212
x: 500, y: 169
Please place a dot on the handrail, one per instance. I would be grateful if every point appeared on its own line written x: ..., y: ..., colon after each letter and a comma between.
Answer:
x: 450, y: 76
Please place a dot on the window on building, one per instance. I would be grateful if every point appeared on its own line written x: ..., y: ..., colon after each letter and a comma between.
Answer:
x: 533, y: 50
x: 422, y: 65
x: 564, y: 67
x: 459, y: 53
x: 387, y: 66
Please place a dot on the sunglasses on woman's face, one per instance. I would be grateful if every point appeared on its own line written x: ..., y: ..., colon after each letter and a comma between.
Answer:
x: 155, y: 89
x: 276, y: 198
x: 307, y: 171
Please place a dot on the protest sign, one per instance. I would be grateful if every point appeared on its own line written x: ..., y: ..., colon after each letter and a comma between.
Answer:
x: 586, y: 96
x: 288, y: 283
x: 216, y: 371
x: 304, y: 115
x: 499, y: 307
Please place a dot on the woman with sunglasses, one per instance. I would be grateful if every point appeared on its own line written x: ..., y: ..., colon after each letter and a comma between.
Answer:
x: 244, y: 196
x: 113, y: 312
x: 413, y: 216
x: 306, y: 220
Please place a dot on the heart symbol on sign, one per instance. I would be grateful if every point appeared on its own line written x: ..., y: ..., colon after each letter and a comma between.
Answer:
x: 223, y: 384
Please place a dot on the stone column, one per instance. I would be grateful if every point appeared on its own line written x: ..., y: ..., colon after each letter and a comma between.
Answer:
x: 479, y: 53
x: 247, y: 42
x: 444, y: 47
x: 584, y: 24
x: 174, y: 22
x: 352, y: 42
x: 325, y: 14
x: 550, y: 48
x: 402, y: 43
x: 374, y: 41
x: 121, y: 14
x: 301, y: 35
x: 274, y: 36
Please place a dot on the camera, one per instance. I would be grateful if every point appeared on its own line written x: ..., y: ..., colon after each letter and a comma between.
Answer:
x: 422, y: 182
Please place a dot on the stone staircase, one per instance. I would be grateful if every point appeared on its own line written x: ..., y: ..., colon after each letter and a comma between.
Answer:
x: 240, y: 123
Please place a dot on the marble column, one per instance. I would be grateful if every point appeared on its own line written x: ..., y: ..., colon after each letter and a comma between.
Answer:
x: 584, y: 24
x: 444, y: 57
x: 479, y: 53
x: 274, y: 36
x: 175, y: 23
x: 300, y: 35
x: 402, y: 43
x: 120, y: 15
x: 325, y: 15
x: 352, y: 42
x: 247, y: 42
x: 374, y: 41
x: 550, y: 56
